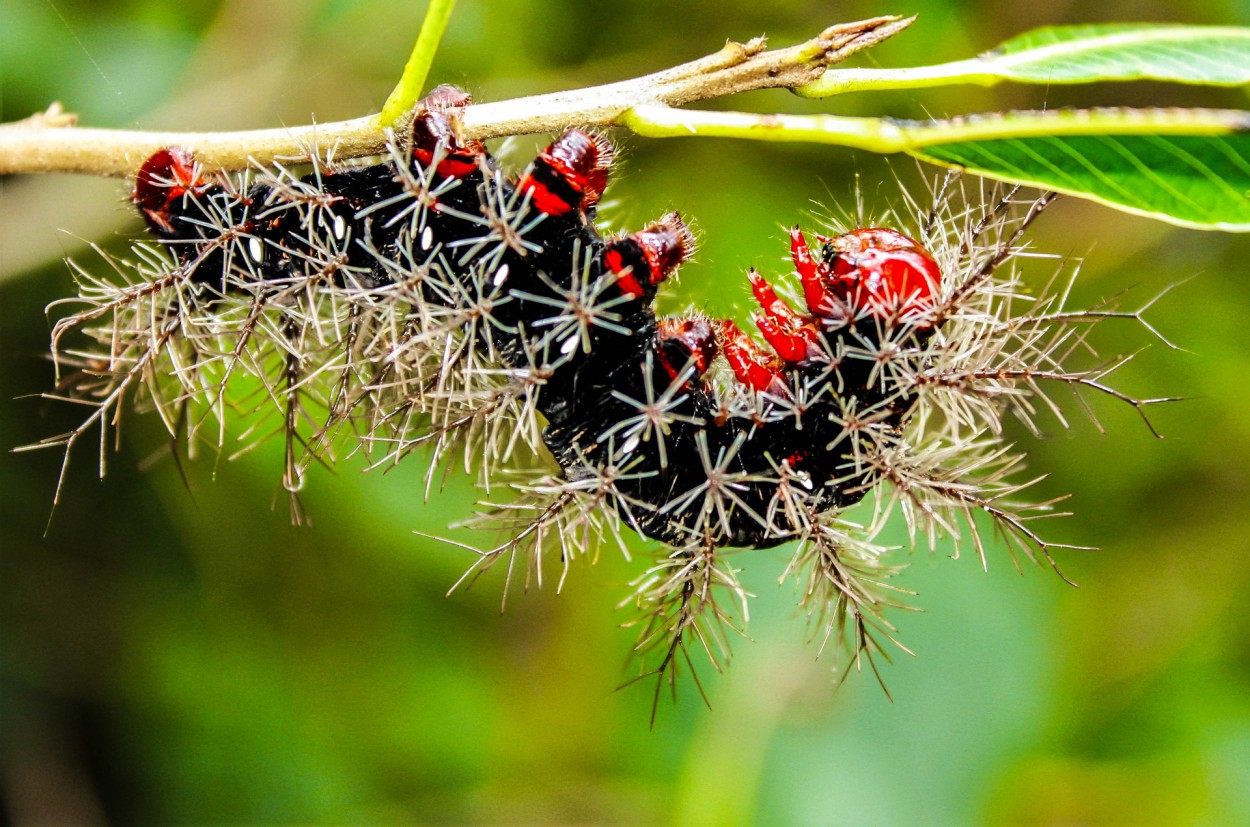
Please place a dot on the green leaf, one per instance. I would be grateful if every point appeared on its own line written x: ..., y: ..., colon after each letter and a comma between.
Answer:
x: 1080, y: 54
x: 1189, y: 180
x: 1207, y: 55
x: 1185, y: 166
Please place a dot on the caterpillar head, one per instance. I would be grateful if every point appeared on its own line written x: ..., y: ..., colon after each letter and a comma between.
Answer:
x: 166, y: 177
x: 874, y: 275
x: 870, y: 272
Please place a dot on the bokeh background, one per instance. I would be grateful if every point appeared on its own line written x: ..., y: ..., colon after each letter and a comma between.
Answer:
x: 177, y: 652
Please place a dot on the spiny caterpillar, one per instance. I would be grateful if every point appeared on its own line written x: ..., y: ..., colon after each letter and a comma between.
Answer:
x: 435, y: 302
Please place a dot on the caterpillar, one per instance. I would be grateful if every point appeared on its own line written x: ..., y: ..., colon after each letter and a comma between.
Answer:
x: 433, y: 301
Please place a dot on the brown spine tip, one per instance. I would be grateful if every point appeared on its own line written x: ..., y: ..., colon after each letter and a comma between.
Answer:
x: 445, y: 98
x: 674, y: 224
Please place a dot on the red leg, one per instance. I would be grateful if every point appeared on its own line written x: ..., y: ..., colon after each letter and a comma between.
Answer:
x: 794, y: 337
x: 754, y: 367
x: 815, y: 290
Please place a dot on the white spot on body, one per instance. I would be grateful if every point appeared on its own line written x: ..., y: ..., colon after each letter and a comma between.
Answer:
x: 427, y: 238
x: 340, y: 227
x: 501, y: 275
x: 256, y: 249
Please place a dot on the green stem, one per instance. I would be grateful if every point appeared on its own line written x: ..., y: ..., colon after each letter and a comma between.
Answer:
x: 841, y: 81
x: 411, y: 85
x: 886, y: 135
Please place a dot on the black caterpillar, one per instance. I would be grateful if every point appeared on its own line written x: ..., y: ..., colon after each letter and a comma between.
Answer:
x: 434, y: 301
x: 616, y: 358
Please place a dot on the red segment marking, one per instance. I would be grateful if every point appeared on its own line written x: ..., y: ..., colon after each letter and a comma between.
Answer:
x: 614, y: 258
x: 570, y: 174
x: 682, y: 340
x: 436, y: 142
x: 436, y: 126
x: 645, y: 258
x: 549, y: 196
x: 665, y: 245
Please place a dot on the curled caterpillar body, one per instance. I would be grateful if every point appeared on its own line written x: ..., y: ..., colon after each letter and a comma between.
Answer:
x: 577, y: 309
x: 436, y: 302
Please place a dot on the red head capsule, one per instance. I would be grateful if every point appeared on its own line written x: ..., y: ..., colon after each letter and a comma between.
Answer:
x: 873, y: 270
x: 643, y: 259
x: 166, y: 177
x: 883, y: 269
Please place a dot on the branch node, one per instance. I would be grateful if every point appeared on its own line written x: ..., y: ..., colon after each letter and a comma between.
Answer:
x: 54, y: 117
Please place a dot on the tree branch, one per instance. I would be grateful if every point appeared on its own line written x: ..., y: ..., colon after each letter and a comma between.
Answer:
x: 50, y: 142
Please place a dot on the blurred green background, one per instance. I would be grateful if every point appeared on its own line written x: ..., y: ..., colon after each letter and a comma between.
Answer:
x: 176, y: 653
